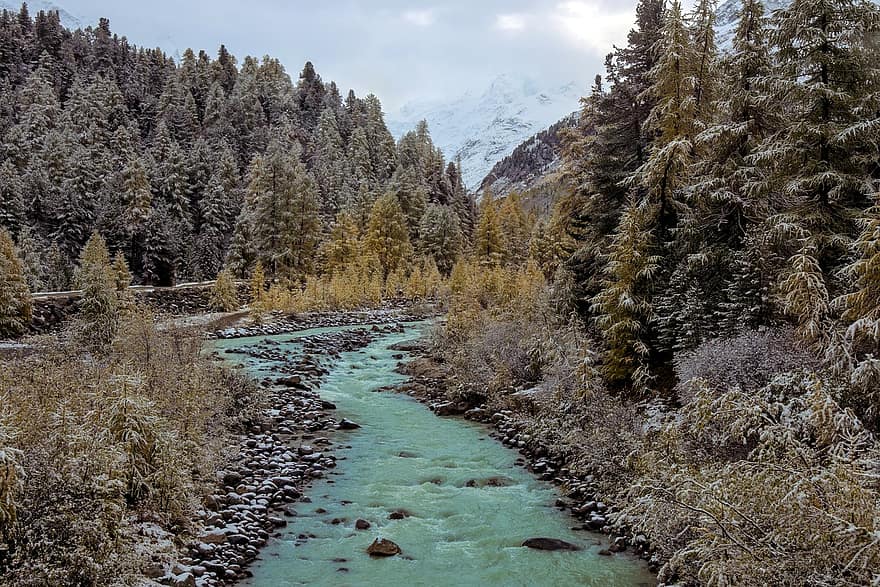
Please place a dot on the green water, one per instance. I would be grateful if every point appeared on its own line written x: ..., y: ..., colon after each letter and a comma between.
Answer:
x: 456, y: 535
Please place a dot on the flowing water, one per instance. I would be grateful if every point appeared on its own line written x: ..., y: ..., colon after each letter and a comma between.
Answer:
x: 405, y: 458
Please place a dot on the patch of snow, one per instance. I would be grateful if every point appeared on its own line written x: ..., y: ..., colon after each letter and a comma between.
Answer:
x: 484, y: 127
x: 69, y: 20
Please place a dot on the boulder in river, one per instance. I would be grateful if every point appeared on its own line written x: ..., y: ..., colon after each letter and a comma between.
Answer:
x: 346, y: 424
x: 361, y: 524
x: 383, y: 547
x: 398, y: 515
x: 549, y: 544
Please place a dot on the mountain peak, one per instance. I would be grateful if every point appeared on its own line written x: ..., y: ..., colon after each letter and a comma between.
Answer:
x: 483, y: 127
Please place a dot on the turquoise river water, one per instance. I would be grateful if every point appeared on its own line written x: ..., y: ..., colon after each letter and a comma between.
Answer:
x: 456, y: 535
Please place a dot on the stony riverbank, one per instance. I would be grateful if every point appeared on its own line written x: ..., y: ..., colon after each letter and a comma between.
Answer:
x: 428, y: 383
x: 279, y: 456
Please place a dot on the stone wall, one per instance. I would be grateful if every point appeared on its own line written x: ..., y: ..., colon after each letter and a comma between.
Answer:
x: 51, y: 312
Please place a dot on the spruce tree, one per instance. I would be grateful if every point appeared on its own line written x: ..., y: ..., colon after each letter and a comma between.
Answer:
x: 819, y: 161
x: 98, y: 316
x: 440, y: 237
x: 15, y: 297
x: 488, y: 241
x: 387, y: 237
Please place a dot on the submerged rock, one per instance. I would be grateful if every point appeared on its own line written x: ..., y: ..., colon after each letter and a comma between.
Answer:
x: 361, y: 524
x: 383, y: 547
x: 491, y: 482
x: 549, y: 544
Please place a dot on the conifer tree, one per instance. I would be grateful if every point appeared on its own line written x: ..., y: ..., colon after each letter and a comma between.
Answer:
x: 387, y: 237
x: 28, y: 250
x: 285, y: 212
x: 12, y: 204
x: 343, y: 246
x: 15, y: 297
x: 820, y: 158
x: 624, y: 305
x: 329, y: 163
x: 488, y: 240
x: 440, y: 237
x: 98, y: 316
x: 224, y: 297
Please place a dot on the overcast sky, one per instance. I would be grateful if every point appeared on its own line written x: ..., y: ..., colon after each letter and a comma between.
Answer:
x: 397, y: 49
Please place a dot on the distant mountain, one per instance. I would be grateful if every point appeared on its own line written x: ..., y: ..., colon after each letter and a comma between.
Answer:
x: 483, y: 127
x: 728, y: 16
x: 530, y: 163
x: 34, y: 6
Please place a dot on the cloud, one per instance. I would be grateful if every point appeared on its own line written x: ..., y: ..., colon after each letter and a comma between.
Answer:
x: 420, y: 18
x: 513, y: 22
x: 592, y: 26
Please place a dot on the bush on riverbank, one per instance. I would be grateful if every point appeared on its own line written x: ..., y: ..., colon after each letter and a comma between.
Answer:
x: 98, y: 446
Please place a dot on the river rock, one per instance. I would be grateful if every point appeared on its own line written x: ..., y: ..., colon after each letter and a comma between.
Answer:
x: 346, y: 424
x: 549, y: 544
x: 398, y: 515
x: 383, y: 547
x: 490, y: 482
x: 362, y: 524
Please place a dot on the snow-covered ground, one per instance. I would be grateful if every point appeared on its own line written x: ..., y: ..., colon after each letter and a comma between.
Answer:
x: 485, y: 126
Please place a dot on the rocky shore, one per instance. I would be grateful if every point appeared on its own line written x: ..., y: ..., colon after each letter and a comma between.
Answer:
x: 280, y: 455
x: 428, y: 384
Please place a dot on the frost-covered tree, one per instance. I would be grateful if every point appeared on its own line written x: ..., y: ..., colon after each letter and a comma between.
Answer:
x: 284, y: 204
x: 488, y: 241
x: 440, y: 237
x: 624, y: 306
x: 98, y: 316
x: 387, y: 237
x: 820, y: 159
x: 15, y: 297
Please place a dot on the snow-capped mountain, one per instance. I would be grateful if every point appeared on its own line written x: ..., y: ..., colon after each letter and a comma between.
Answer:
x: 483, y: 127
x: 728, y: 17
x: 34, y: 6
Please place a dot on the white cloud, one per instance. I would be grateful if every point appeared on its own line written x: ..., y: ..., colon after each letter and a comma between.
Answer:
x: 591, y: 26
x: 421, y: 18
x: 510, y: 22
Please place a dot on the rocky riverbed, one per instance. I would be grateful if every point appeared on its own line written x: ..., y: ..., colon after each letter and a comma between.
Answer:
x: 278, y: 457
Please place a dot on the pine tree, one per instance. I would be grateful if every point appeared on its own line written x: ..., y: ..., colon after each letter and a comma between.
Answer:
x: 12, y: 205
x: 98, y: 316
x: 440, y: 237
x: 329, y: 163
x: 29, y: 251
x: 285, y: 212
x: 15, y: 297
x: 488, y: 240
x: 387, y: 237
x: 515, y: 228
x: 624, y: 305
x: 819, y: 160
x: 224, y: 297
x: 610, y: 142
x: 342, y: 247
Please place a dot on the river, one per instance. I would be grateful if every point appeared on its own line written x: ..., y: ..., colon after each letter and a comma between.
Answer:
x: 404, y: 458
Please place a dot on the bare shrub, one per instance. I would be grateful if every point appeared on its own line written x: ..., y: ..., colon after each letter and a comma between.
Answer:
x: 747, y: 360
